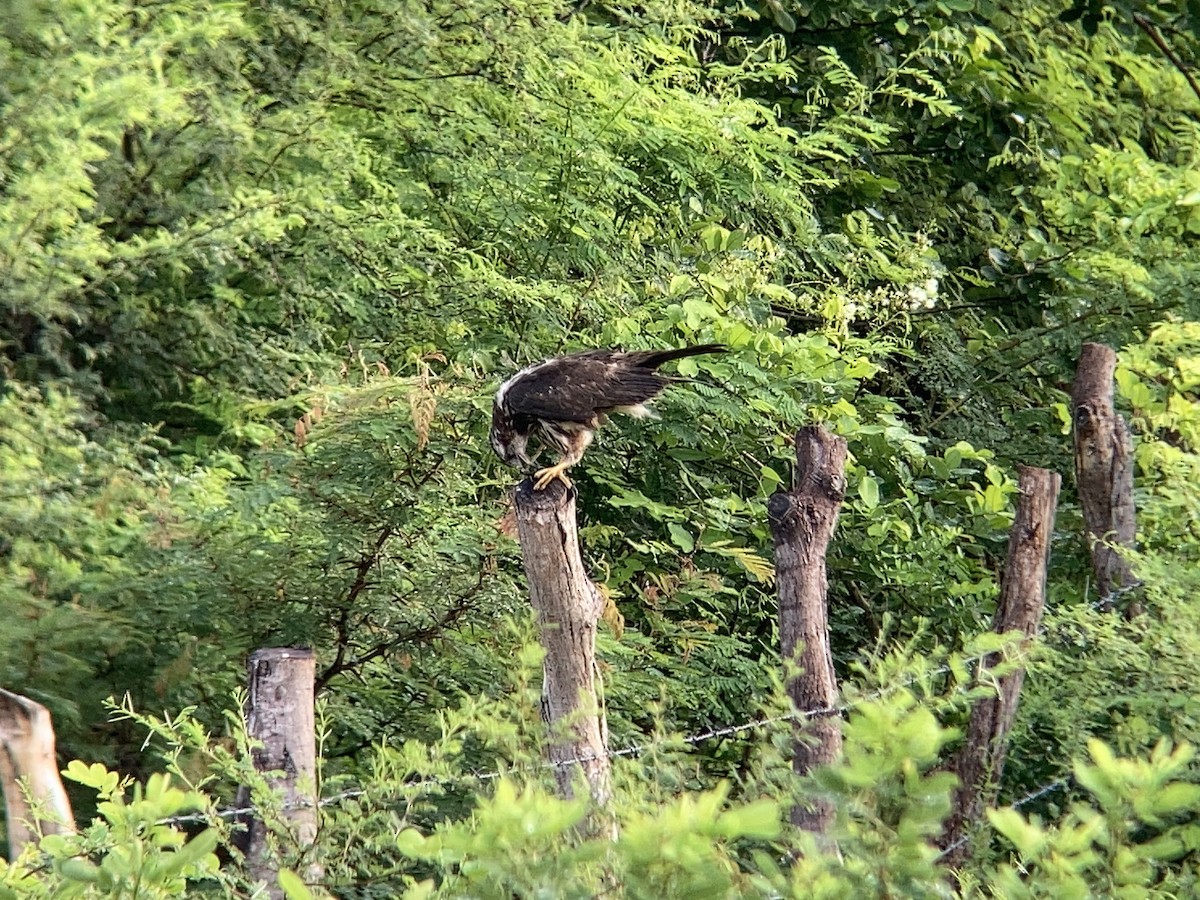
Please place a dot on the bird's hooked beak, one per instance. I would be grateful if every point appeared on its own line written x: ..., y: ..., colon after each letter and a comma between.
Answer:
x: 511, y: 453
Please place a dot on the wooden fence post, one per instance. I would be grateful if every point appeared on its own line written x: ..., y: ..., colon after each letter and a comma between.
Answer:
x: 980, y: 762
x: 568, y: 609
x: 802, y: 523
x: 280, y: 716
x: 1103, y: 470
x: 27, y: 764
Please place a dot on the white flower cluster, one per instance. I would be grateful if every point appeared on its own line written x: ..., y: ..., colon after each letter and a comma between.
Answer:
x: 923, y: 296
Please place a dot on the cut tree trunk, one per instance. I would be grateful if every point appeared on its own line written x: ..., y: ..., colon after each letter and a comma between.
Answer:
x: 1104, y: 471
x: 980, y: 762
x: 802, y: 523
x: 280, y: 716
x: 568, y: 608
x: 28, y: 770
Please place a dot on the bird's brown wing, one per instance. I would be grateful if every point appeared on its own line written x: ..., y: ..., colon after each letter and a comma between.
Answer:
x: 575, y: 389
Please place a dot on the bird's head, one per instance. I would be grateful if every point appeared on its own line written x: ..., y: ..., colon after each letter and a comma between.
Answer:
x: 508, y: 442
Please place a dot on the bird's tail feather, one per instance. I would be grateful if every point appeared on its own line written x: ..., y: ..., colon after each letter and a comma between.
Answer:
x: 652, y: 359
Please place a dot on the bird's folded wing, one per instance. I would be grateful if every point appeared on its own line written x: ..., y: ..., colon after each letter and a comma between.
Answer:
x: 578, y: 389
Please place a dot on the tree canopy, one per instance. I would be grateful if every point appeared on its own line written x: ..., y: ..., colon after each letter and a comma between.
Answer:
x: 263, y: 266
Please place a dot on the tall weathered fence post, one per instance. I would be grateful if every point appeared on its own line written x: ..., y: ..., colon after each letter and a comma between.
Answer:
x: 27, y: 764
x: 280, y: 715
x: 802, y: 523
x: 980, y: 762
x: 568, y: 608
x: 1103, y: 469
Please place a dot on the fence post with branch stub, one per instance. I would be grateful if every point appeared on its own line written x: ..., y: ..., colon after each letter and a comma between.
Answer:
x: 280, y: 717
x: 980, y: 762
x: 1103, y: 471
x: 29, y: 771
x: 802, y: 522
x: 568, y: 607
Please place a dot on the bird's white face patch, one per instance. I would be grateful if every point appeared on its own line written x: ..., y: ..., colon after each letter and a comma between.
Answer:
x: 499, y: 446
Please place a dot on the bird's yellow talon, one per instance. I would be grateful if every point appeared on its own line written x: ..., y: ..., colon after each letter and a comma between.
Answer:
x: 549, y: 474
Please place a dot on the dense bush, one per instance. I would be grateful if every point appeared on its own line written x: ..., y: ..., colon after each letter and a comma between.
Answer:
x: 263, y: 265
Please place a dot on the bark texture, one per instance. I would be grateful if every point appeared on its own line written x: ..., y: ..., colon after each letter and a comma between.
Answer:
x: 1103, y: 469
x: 568, y: 608
x: 980, y: 762
x: 28, y: 766
x: 802, y: 523
x: 280, y: 715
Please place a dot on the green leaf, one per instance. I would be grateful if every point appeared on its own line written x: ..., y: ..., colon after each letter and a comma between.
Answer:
x: 412, y: 843
x: 760, y: 819
x: 770, y: 479
x: 679, y: 284
x: 293, y: 886
x: 868, y: 491
x: 682, y: 538
x: 1027, y: 838
x: 75, y: 869
x: 784, y: 19
x: 191, y: 853
x: 93, y: 776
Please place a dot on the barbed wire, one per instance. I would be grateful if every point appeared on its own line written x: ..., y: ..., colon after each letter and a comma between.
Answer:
x: 1109, y: 601
x: 711, y: 734
x: 1048, y: 788
x: 629, y: 750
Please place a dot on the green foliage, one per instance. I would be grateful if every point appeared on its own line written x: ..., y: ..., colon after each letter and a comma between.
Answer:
x: 678, y: 849
x: 430, y: 826
x: 262, y: 265
x: 72, y: 510
x: 366, y: 543
x: 890, y: 808
x: 127, y: 850
x: 1125, y: 845
x: 1055, y: 199
x: 1158, y: 378
x: 122, y: 129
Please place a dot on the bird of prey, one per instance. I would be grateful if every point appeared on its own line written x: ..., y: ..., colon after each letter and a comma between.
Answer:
x: 562, y: 401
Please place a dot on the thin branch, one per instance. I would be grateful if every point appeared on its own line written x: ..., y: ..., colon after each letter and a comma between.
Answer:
x: 415, y: 636
x: 1153, y: 33
x: 362, y: 568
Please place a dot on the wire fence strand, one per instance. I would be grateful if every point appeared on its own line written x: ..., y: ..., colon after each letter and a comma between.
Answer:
x: 698, y: 737
x: 1037, y: 793
x: 627, y: 751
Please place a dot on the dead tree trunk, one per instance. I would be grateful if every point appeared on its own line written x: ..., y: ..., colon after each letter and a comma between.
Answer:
x: 280, y: 716
x: 568, y: 608
x: 1103, y: 470
x: 802, y: 523
x: 980, y: 762
x: 28, y: 769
